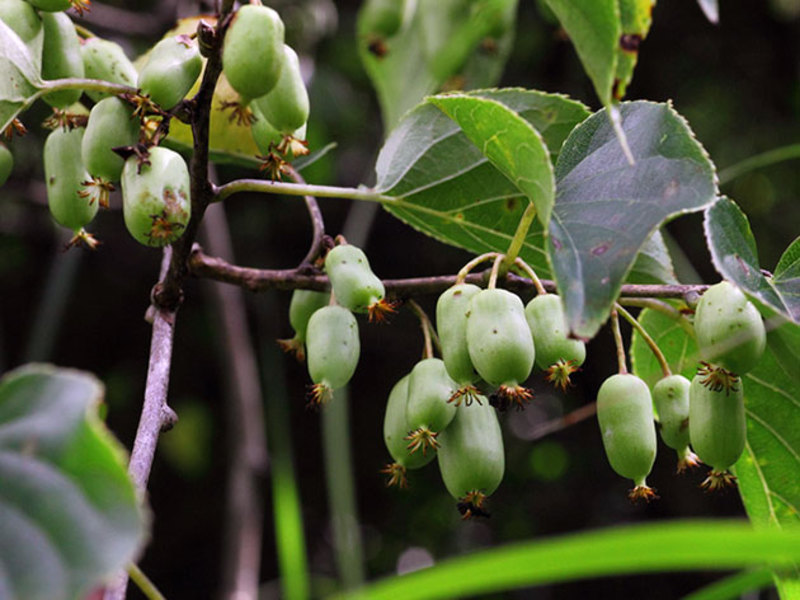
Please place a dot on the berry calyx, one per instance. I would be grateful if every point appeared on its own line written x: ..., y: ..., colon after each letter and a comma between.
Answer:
x: 718, y: 379
x: 506, y: 396
x: 471, y: 505
x: 718, y: 480
x: 559, y: 373
x: 642, y: 492
x: 397, y: 475
x: 423, y: 438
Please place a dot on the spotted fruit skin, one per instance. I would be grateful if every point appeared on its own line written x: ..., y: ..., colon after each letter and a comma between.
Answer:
x: 156, y: 202
x: 332, y: 346
x: 730, y: 332
x: 252, y: 54
x: 429, y: 389
x: 499, y: 341
x: 61, y: 56
x: 171, y: 70
x: 548, y: 325
x: 286, y: 105
x: 6, y: 163
x: 671, y: 399
x: 354, y: 284
x: 396, y: 427
x: 64, y: 174
x: 471, y: 453
x: 106, y: 60
x: 451, y: 325
x: 111, y: 124
x: 625, y: 415
x: 717, y: 425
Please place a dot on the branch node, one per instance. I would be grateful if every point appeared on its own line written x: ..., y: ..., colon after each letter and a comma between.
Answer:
x: 169, y: 418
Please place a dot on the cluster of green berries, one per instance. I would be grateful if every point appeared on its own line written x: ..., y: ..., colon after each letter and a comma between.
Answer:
x: 117, y: 143
x: 703, y: 420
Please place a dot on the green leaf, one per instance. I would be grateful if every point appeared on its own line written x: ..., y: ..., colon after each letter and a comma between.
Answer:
x: 69, y: 514
x: 606, y: 208
x: 674, y: 336
x: 594, y: 28
x: 635, y: 21
x: 437, y: 39
x: 734, y: 586
x: 653, y: 263
x: 19, y: 75
x: 687, y: 545
x: 734, y: 254
x: 510, y: 143
x: 448, y: 189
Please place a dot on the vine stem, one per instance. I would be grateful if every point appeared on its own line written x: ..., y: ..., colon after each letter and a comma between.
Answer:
x: 143, y: 582
x: 528, y: 270
x: 519, y: 237
x: 265, y: 186
x: 623, y: 366
x: 662, y: 307
x: 461, y: 277
x: 428, y: 332
x: 651, y: 343
x: 317, y: 222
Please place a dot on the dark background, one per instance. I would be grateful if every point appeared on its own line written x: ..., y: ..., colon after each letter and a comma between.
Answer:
x: 736, y: 83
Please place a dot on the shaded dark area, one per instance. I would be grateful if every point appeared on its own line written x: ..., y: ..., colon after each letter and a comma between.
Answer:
x: 737, y: 84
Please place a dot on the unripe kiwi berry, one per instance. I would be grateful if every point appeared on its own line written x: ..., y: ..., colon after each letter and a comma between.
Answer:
x: 23, y: 19
x: 625, y: 415
x: 451, y: 325
x: 500, y: 344
x: 395, y: 428
x: 303, y: 304
x: 730, y: 331
x: 51, y: 5
x: 332, y: 350
x: 671, y: 399
x: 471, y: 457
x: 172, y: 68
x: 556, y: 353
x: 156, y: 197
x: 428, y: 410
x: 252, y: 53
x: 286, y: 105
x: 717, y: 428
x: 61, y: 56
x: 354, y: 284
x: 106, y: 60
x: 111, y: 124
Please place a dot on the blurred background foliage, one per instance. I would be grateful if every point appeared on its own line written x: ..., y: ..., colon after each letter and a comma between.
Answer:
x: 738, y: 84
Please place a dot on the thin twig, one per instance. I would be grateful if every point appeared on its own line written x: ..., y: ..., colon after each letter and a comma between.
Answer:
x: 461, y: 277
x: 554, y: 425
x: 428, y: 332
x: 528, y: 270
x: 623, y: 366
x: 297, y: 189
x: 317, y: 222
x: 651, y: 343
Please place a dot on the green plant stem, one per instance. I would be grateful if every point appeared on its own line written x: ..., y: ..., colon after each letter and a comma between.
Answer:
x: 662, y: 307
x: 336, y: 439
x: 734, y: 586
x: 623, y: 366
x: 651, y: 343
x: 495, y: 272
x: 465, y: 270
x: 528, y: 270
x: 87, y: 85
x: 758, y: 161
x: 265, y: 186
x: 144, y: 584
x: 428, y: 332
x: 519, y: 238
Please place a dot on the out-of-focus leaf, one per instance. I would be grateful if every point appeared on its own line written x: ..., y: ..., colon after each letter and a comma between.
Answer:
x: 653, y: 263
x: 635, y: 21
x: 19, y: 75
x: 710, y: 9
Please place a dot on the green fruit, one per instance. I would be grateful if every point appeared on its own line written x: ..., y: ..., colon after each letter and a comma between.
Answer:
x: 111, y: 124
x: 395, y: 428
x: 730, y: 332
x: 548, y: 325
x: 265, y: 135
x: 625, y: 414
x: 717, y: 428
x: 61, y: 56
x: 252, y: 55
x: 451, y: 325
x: 156, y: 202
x: 671, y: 399
x: 428, y: 410
x: 304, y: 303
x: 332, y: 349
x: 106, y: 60
x: 64, y: 174
x: 6, y: 163
x: 51, y: 5
x: 173, y: 66
x: 21, y: 17
x: 471, y: 456
x: 286, y: 105
x: 500, y: 343
x: 354, y: 284
x: 380, y: 18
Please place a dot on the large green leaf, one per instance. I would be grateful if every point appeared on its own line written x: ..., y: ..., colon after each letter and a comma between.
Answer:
x: 654, y: 263
x: 510, y: 143
x: 594, y: 28
x: 19, y: 75
x: 734, y: 254
x: 675, y: 338
x: 606, y: 208
x: 446, y: 187
x: 687, y: 545
x: 436, y: 41
x: 69, y: 514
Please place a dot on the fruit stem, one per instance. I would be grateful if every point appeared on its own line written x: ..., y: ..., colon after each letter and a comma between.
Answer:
x: 462, y: 274
x: 651, y: 343
x: 519, y: 237
x: 495, y: 272
x: 142, y: 581
x: 428, y: 332
x: 664, y: 308
x: 528, y: 270
x: 623, y: 367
